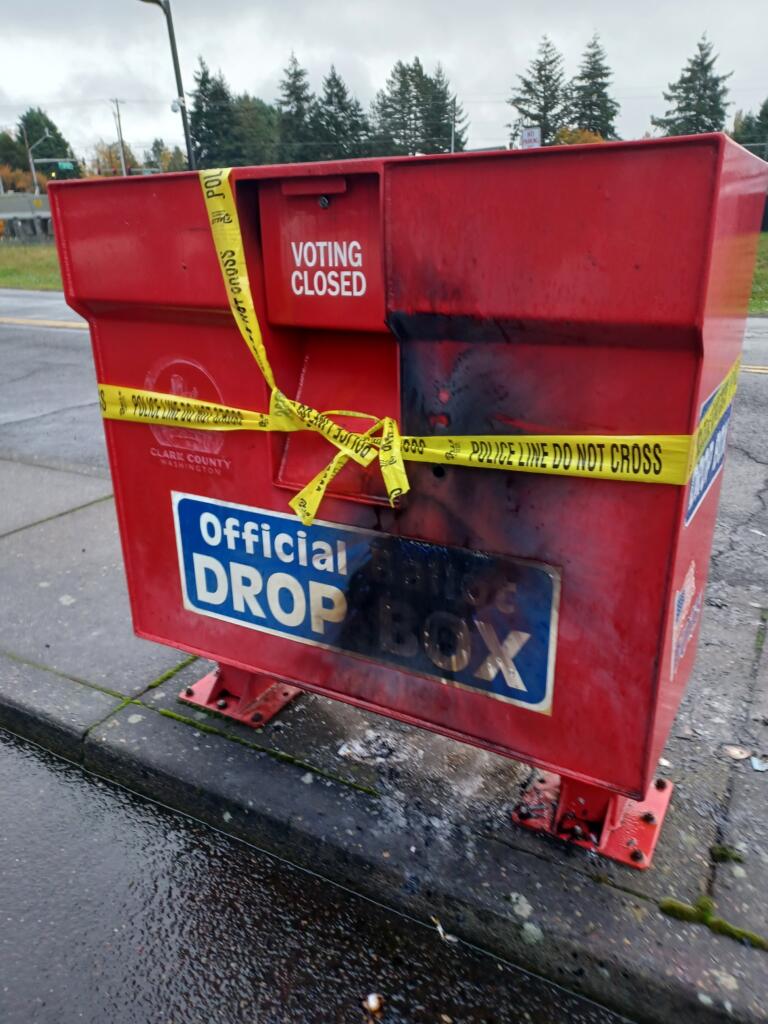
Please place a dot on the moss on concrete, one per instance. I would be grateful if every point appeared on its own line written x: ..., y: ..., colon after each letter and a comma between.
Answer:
x: 171, y: 672
x: 722, y: 854
x: 703, y: 912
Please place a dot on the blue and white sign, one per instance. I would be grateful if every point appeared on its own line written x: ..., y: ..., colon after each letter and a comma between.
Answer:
x: 483, y: 622
x: 710, y: 462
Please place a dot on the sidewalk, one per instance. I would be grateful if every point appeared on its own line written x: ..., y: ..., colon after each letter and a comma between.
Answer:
x: 410, y: 819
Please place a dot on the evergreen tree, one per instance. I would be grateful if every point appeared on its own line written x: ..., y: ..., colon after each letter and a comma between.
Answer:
x: 394, y: 114
x: 178, y: 161
x: 750, y: 130
x: 337, y: 122
x: 542, y: 97
x: 295, y: 105
x: 12, y: 153
x: 442, y: 118
x: 257, y: 126
x: 160, y: 156
x: 33, y: 125
x: 213, y: 121
x: 415, y: 111
x: 744, y: 127
x: 421, y: 95
x: 592, y: 109
x: 698, y: 99
x: 157, y: 155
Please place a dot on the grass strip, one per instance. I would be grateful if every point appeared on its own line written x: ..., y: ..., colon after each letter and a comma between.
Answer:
x: 37, y: 267
x: 29, y: 266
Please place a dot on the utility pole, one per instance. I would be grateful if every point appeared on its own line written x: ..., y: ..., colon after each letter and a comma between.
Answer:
x: 165, y: 6
x: 120, y: 136
x: 453, y: 125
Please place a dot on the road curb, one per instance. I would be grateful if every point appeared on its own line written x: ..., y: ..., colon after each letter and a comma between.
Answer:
x: 49, y: 709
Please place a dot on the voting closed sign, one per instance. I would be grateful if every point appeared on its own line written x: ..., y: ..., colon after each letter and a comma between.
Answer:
x: 479, y: 621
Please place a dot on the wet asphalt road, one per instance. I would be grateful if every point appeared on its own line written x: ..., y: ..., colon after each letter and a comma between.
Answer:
x: 115, y: 910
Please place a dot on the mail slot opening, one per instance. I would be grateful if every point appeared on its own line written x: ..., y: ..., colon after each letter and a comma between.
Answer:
x: 313, y: 246
x: 322, y: 244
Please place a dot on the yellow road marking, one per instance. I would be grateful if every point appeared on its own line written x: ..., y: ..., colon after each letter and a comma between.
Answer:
x: 20, y: 321
x: 69, y: 325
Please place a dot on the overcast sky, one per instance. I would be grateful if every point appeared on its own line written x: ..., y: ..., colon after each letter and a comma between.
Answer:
x: 71, y: 58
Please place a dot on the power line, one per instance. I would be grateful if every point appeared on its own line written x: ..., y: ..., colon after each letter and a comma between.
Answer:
x: 77, y: 103
x: 627, y: 92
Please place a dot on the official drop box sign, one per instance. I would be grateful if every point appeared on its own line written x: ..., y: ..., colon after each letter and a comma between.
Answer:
x: 480, y: 621
x: 711, y: 460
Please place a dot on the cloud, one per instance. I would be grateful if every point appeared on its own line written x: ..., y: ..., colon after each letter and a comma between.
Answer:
x: 72, y: 59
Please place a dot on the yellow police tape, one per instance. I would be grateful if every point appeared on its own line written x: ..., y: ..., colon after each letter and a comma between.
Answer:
x: 663, y: 458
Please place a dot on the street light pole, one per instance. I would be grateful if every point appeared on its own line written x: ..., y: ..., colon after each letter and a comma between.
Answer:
x: 32, y: 168
x: 165, y: 5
